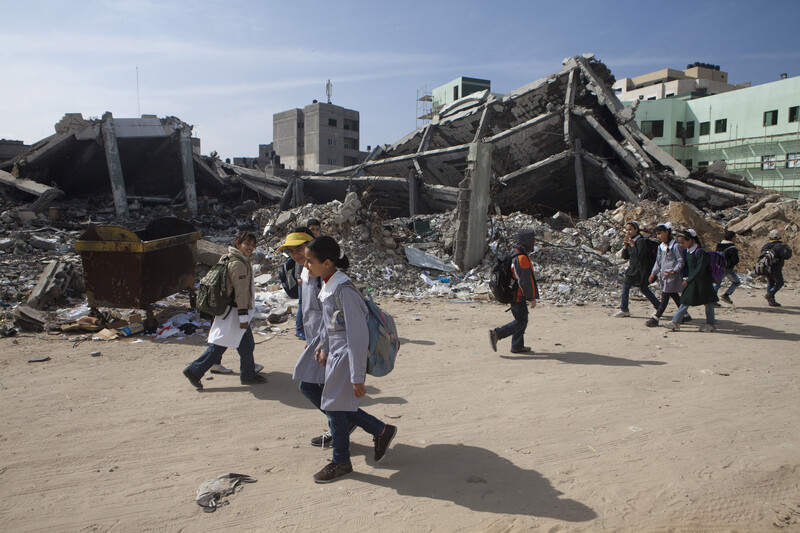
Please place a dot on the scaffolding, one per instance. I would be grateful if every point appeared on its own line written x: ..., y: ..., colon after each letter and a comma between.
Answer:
x: 424, y: 101
x: 769, y: 161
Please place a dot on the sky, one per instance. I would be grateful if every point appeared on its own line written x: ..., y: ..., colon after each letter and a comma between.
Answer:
x: 227, y: 66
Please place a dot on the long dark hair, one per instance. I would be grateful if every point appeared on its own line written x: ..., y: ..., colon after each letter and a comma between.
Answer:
x: 325, y: 247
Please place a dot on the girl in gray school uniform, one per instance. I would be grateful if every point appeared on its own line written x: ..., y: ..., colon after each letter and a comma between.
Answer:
x: 343, y: 346
x: 667, y: 270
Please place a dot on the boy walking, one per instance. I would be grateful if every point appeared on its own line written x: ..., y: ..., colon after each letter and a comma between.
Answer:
x: 523, y: 285
x: 775, y: 276
x: 728, y: 248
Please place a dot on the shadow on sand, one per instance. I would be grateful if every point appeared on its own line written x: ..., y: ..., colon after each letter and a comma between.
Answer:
x: 474, y: 478
x: 584, y: 358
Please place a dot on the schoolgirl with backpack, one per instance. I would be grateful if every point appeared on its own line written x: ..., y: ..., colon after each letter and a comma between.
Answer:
x: 639, y: 251
x: 698, y: 287
x: 344, y: 347
x: 667, y: 270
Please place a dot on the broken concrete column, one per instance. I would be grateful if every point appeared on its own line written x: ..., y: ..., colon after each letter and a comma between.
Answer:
x: 187, y: 166
x: 114, y: 165
x: 52, y: 284
x: 473, y: 206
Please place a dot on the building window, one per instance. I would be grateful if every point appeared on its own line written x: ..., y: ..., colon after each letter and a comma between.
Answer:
x: 331, y: 142
x: 690, y: 129
x: 299, y: 125
x: 702, y: 164
x: 688, y: 164
x: 793, y: 160
x: 705, y: 128
x: 653, y: 128
x: 770, y: 117
x: 331, y: 161
x: 679, y: 131
x: 346, y: 146
x: 455, y: 92
x: 793, y: 112
x: 641, y: 97
x: 668, y: 95
x: 332, y: 122
x: 767, y: 162
x: 345, y: 125
x: 652, y: 98
x: 721, y: 125
x: 300, y: 162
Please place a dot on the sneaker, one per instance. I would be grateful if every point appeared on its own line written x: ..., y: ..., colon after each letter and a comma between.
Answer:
x: 771, y: 300
x: 686, y: 318
x: 493, y: 339
x: 255, y: 380
x: 717, y: 304
x: 651, y: 322
x: 725, y: 298
x: 193, y: 379
x: 708, y: 328
x: 524, y: 349
x: 383, y: 441
x: 331, y: 472
x: 258, y: 368
x: 672, y: 326
x: 325, y: 439
x: 621, y: 314
x: 219, y: 369
x: 300, y: 335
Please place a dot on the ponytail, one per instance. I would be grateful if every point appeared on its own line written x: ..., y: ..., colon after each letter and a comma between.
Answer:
x: 325, y: 247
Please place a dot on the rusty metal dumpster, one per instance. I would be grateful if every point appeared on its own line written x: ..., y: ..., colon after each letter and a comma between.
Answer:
x: 130, y: 269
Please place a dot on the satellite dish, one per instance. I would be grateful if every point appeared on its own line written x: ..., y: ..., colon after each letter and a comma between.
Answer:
x: 329, y: 90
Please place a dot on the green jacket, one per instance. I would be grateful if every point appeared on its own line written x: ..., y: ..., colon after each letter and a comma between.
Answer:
x: 700, y: 288
x: 638, y: 272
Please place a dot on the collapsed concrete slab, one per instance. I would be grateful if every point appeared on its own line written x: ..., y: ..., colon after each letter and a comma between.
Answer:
x: 564, y: 142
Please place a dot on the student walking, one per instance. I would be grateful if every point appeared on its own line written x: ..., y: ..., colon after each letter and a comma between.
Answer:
x: 667, y: 270
x: 314, y: 226
x: 524, y: 289
x: 775, y: 276
x: 727, y: 247
x: 232, y: 330
x: 636, y: 275
x: 342, y: 350
x: 295, y: 245
x: 698, y: 287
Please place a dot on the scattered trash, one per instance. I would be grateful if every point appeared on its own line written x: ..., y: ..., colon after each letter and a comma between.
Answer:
x: 39, y: 359
x: 210, y: 492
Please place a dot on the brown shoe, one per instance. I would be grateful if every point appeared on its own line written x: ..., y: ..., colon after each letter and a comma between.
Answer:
x: 331, y: 472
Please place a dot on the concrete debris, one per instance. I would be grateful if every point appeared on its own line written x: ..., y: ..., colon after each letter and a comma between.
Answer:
x: 564, y: 142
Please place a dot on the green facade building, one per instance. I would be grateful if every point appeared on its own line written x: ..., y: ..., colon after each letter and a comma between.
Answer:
x: 756, y: 131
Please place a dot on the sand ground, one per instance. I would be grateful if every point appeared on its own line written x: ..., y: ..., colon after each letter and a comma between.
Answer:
x: 608, y: 426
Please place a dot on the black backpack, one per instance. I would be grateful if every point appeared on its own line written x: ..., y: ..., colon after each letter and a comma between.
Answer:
x: 731, y: 256
x: 501, y: 282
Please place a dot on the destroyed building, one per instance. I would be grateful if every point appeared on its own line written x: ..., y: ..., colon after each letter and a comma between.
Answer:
x: 564, y: 142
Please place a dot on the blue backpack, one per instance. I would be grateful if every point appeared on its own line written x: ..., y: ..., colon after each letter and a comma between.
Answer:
x: 384, y: 342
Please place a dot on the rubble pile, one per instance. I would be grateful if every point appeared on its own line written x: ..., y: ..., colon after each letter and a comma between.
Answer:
x: 575, y: 261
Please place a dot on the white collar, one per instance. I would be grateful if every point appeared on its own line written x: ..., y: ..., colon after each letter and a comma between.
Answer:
x: 304, y: 275
x: 329, y: 287
x: 693, y: 248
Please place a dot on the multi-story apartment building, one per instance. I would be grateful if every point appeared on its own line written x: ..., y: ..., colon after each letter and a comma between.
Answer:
x: 755, y: 130
x: 317, y: 138
x: 699, y: 79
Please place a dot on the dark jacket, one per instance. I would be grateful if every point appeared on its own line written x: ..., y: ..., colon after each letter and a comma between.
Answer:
x: 638, y: 272
x: 728, y: 249
x: 700, y: 288
x: 782, y: 252
x: 522, y: 271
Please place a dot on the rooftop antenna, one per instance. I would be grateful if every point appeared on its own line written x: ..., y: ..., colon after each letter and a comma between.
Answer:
x: 329, y: 90
x: 138, y: 105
